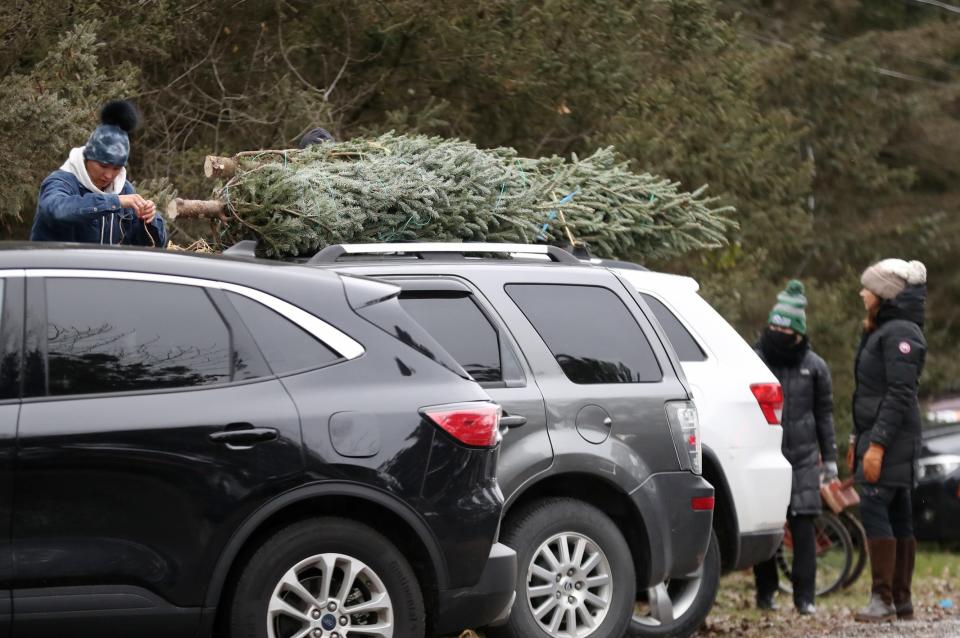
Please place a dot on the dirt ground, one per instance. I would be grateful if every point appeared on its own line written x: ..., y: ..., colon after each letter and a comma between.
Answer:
x: 936, y: 581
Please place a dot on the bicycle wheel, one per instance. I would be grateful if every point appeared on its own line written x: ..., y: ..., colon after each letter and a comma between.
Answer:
x: 834, y: 555
x: 858, y: 536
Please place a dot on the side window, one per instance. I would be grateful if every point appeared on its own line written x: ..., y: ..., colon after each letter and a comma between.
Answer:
x: 9, y: 361
x: 110, y: 335
x: 684, y: 344
x: 285, y: 345
x: 590, y: 331
x: 456, y: 322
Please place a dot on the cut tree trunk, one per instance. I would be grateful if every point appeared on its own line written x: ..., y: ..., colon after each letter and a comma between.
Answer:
x: 215, y: 166
x: 196, y: 208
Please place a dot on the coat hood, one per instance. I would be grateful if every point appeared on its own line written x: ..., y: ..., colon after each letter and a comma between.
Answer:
x: 908, y: 305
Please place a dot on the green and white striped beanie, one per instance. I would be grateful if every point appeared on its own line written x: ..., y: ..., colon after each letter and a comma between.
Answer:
x: 789, y: 311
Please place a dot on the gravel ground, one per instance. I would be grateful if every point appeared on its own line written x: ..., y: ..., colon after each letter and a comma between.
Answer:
x: 936, y: 579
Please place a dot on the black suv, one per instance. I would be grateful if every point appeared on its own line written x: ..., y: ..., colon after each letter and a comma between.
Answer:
x: 601, y: 463
x: 190, y: 442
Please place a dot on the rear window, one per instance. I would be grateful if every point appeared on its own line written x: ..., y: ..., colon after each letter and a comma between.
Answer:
x: 461, y: 328
x: 683, y: 343
x: 590, y: 332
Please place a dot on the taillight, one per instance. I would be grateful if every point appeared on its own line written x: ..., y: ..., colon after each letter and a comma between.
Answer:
x: 702, y: 503
x: 770, y: 398
x: 476, y: 424
x: 683, y: 419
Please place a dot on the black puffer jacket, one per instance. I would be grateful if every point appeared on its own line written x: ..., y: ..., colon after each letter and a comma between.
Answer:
x: 888, y: 368
x: 807, y: 425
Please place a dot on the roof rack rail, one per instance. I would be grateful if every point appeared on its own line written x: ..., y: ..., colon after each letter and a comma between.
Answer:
x: 245, y: 248
x: 431, y: 250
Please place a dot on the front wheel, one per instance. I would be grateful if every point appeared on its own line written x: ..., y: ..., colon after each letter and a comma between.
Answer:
x: 576, y: 576
x: 679, y: 606
x: 327, y: 575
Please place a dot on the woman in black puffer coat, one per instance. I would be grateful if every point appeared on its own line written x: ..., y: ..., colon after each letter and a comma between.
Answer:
x: 886, y: 436
x: 808, y: 437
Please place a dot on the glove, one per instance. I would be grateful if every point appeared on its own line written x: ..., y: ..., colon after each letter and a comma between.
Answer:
x: 872, y: 462
x: 829, y: 472
x: 850, y: 456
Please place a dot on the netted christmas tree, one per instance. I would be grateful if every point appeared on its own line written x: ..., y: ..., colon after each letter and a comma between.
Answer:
x: 410, y: 187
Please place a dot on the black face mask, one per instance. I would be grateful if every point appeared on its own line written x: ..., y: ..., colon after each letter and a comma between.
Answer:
x: 782, y: 349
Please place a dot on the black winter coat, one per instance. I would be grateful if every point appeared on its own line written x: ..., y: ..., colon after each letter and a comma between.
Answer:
x: 888, y: 368
x: 807, y: 426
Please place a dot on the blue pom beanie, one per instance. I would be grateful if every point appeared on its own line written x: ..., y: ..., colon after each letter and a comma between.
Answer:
x: 109, y: 143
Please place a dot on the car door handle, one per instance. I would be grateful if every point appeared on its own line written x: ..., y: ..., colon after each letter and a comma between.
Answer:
x: 244, y: 434
x: 512, y: 421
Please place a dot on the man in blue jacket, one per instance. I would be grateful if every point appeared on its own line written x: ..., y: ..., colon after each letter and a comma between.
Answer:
x: 89, y: 198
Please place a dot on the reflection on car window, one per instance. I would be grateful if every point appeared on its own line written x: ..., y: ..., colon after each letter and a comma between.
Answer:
x: 590, y: 332
x: 457, y: 323
x: 109, y: 335
x: 286, y: 346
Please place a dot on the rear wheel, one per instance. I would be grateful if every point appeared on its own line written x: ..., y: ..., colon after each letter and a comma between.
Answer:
x: 327, y: 575
x: 576, y: 576
x: 679, y: 606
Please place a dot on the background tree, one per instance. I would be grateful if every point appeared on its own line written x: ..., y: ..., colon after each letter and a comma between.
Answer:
x: 831, y: 126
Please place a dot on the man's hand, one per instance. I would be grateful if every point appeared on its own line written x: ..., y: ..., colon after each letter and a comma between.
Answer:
x: 149, y: 211
x: 145, y: 209
x: 872, y: 462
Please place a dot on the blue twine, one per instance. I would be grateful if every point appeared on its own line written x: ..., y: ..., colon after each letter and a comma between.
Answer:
x: 552, y: 215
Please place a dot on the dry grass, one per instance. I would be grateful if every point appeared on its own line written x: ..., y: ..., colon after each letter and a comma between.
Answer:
x: 936, y: 578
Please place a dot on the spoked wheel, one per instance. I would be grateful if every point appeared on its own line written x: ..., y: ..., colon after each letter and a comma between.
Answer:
x: 576, y: 575
x: 858, y: 536
x: 570, y: 588
x: 330, y: 592
x: 678, y: 606
x: 327, y: 577
x: 834, y: 551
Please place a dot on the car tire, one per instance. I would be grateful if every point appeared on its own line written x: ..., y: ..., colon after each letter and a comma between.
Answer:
x: 685, y: 602
x: 596, y: 567
x: 295, y: 579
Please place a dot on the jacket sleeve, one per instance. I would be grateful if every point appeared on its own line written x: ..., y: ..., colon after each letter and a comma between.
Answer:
x: 903, y: 353
x: 60, y: 202
x: 823, y: 412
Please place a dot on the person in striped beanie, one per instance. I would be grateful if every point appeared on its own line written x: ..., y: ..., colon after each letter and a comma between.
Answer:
x: 808, y: 436
x: 790, y: 309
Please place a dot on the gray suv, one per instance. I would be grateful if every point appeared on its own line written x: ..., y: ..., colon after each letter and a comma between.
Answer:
x: 600, y: 463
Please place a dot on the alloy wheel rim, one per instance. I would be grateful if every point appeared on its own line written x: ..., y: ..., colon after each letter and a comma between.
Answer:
x: 668, y: 601
x: 569, y: 585
x: 330, y: 596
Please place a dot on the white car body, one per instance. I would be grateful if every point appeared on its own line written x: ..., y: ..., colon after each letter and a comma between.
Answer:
x: 738, y: 442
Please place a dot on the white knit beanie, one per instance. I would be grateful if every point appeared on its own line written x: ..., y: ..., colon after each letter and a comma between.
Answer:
x: 889, y: 277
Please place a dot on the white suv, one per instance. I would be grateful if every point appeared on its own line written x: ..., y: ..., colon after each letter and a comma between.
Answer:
x: 739, y: 402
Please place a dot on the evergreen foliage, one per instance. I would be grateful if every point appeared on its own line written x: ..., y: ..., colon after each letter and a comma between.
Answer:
x: 406, y: 187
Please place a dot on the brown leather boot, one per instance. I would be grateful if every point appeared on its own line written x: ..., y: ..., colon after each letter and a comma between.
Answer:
x: 883, y: 557
x: 902, y: 576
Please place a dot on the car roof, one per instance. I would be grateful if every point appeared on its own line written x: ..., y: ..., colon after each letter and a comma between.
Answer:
x: 264, y: 274
x: 14, y: 254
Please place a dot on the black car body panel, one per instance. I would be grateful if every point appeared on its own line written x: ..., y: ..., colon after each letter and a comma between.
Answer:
x: 936, y: 497
x: 138, y: 504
